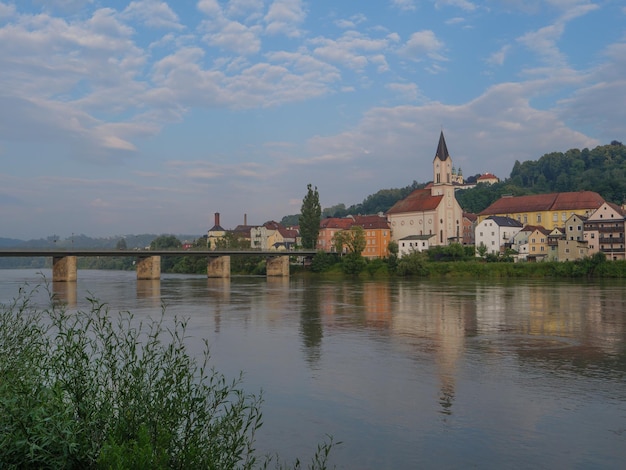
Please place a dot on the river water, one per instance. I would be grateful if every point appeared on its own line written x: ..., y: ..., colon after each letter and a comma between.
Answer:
x: 405, y: 373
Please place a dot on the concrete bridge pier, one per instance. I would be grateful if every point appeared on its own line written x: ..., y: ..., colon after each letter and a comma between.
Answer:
x: 148, y: 268
x: 277, y: 266
x: 64, y: 269
x: 218, y: 267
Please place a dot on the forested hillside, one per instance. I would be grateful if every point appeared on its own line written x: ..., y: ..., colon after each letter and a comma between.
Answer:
x: 602, y: 169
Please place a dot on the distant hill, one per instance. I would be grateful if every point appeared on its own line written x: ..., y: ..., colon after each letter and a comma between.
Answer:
x: 9, y: 242
x: 602, y: 169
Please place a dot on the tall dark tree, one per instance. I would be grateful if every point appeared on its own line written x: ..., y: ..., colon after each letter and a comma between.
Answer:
x: 310, y: 214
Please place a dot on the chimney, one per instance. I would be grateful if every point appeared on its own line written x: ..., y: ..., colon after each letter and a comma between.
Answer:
x: 217, y: 219
x: 245, y: 220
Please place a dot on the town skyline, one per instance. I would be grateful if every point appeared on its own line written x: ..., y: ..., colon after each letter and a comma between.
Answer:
x: 150, y: 116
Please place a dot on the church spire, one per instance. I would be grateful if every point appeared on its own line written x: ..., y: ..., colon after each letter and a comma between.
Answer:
x: 442, y: 148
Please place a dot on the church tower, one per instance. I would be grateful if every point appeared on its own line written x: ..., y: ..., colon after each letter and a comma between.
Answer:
x: 442, y: 164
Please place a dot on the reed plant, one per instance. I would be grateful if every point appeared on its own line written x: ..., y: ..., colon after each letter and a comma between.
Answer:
x: 92, y: 389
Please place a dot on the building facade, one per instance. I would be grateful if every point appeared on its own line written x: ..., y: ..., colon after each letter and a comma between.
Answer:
x: 548, y: 210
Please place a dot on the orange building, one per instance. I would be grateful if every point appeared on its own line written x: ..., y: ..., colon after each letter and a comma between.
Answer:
x: 376, y: 228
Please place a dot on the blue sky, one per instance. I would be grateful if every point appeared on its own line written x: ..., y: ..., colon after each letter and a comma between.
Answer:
x: 121, y: 117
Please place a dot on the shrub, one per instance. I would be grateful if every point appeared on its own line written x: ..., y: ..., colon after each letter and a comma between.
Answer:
x: 94, y: 390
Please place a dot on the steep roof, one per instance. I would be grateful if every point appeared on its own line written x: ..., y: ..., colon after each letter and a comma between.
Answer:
x: 502, y: 221
x: 545, y: 202
x: 419, y: 200
x: 442, y: 148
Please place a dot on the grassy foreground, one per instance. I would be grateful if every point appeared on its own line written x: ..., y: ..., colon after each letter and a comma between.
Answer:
x: 92, y: 390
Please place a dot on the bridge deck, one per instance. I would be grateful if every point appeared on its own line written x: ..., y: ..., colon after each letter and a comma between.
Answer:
x: 27, y: 253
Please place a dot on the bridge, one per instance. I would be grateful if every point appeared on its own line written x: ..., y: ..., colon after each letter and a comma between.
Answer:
x: 148, y: 262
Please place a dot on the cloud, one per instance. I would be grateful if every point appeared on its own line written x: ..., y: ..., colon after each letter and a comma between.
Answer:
x: 462, y: 4
x: 285, y: 17
x: 404, y: 5
x: 408, y: 91
x: 498, y: 57
x: 353, y: 50
x: 420, y: 44
x: 153, y: 13
x: 544, y: 40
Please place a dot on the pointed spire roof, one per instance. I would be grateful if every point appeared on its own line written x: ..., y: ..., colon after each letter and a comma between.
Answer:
x: 442, y: 148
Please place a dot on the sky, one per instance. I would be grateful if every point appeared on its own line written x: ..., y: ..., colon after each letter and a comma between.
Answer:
x: 149, y: 116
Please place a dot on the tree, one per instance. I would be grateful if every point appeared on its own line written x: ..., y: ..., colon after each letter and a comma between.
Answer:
x: 310, y: 214
x: 121, y: 244
x: 166, y: 242
x: 352, y: 240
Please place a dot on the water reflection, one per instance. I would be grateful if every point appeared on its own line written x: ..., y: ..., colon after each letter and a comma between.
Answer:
x: 412, y: 373
x: 65, y: 293
x: 149, y: 289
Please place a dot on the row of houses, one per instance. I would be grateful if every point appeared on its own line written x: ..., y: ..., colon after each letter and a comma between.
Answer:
x: 557, y: 226
x: 582, y: 224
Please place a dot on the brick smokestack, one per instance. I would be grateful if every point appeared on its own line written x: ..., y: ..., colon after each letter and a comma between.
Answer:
x: 217, y: 219
x: 245, y: 220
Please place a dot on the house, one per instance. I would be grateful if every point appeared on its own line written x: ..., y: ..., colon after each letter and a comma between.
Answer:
x: 469, y: 227
x: 413, y: 243
x: 487, y: 178
x: 574, y: 227
x: 215, y: 234
x: 538, y: 244
x: 273, y: 236
x: 496, y: 233
x: 548, y: 210
x: 554, y: 237
x: 328, y: 227
x: 377, y: 235
x: 571, y: 250
x: 520, y: 242
x: 376, y: 228
x: 433, y: 210
x: 604, y: 231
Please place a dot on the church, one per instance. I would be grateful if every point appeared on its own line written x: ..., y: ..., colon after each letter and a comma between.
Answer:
x: 432, y: 214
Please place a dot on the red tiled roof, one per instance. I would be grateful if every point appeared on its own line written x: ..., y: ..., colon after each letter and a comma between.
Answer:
x: 545, y: 202
x: 418, y: 201
x: 337, y: 222
x: 371, y: 222
x: 470, y: 216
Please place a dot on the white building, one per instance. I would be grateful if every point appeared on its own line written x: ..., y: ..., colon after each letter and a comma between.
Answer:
x: 496, y: 233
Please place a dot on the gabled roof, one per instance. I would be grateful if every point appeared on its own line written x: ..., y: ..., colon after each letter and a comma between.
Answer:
x: 531, y: 228
x: 502, y: 221
x: 470, y: 216
x: 217, y: 228
x: 419, y: 200
x: 442, y: 148
x: 342, y: 223
x: 545, y: 202
x: 371, y: 222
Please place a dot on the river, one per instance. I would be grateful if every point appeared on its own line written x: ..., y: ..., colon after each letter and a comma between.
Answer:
x: 405, y: 373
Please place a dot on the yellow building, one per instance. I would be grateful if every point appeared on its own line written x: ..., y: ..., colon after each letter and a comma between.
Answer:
x: 548, y: 210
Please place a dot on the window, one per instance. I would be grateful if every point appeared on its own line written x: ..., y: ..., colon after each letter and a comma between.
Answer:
x: 525, y: 219
x: 578, y: 227
x: 538, y: 218
x: 555, y: 217
x: 563, y: 216
x: 542, y: 248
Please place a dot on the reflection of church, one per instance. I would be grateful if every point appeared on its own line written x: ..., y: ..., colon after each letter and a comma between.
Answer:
x: 431, y: 212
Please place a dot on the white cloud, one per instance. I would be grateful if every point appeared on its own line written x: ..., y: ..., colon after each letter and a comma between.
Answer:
x: 352, y: 49
x: 544, y: 40
x: 407, y: 91
x: 153, y: 13
x: 6, y: 11
x: 498, y: 57
x: 233, y: 36
x: 285, y: 17
x: 421, y: 43
x: 462, y: 4
x: 405, y: 5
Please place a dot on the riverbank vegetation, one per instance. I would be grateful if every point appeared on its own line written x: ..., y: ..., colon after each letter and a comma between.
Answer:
x: 96, y: 390
x: 458, y: 262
